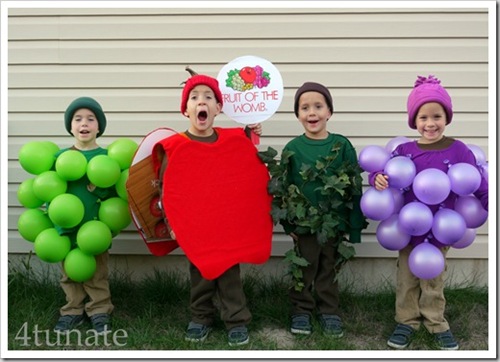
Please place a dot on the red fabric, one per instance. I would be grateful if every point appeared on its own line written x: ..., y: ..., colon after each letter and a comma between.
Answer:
x: 216, y: 200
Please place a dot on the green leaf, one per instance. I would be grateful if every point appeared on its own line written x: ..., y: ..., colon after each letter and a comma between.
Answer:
x: 347, y: 251
x: 268, y: 155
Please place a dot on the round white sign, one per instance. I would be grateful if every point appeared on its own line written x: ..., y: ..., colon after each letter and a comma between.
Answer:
x: 252, y: 89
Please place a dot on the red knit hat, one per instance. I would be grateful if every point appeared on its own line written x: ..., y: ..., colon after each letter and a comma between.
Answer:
x: 428, y: 90
x: 198, y: 79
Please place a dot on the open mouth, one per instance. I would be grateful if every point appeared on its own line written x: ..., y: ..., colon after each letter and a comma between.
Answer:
x: 312, y: 122
x: 84, y: 132
x: 202, y: 116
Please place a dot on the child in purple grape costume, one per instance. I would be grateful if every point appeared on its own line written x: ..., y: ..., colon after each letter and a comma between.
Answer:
x: 419, y: 301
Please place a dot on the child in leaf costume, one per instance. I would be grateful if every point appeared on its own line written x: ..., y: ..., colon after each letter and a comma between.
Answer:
x: 317, y: 190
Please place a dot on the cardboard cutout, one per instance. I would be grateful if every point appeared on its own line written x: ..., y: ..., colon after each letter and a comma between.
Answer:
x: 143, y: 195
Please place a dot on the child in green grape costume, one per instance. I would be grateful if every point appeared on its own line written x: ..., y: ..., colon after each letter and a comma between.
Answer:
x: 85, y: 120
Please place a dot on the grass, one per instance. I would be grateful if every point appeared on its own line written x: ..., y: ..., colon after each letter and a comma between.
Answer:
x: 154, y: 312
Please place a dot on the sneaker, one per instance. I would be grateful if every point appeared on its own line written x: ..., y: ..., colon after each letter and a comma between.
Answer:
x: 67, y: 323
x: 446, y: 341
x: 101, y: 323
x: 197, y: 332
x: 401, y: 337
x: 238, y: 336
x: 301, y: 324
x: 331, y: 325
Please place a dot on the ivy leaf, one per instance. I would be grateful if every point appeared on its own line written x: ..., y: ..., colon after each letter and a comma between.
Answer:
x: 268, y: 155
x: 305, y: 171
x: 347, y: 251
x: 320, y: 165
x: 278, y: 214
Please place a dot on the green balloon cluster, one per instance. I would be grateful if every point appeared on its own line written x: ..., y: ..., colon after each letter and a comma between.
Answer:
x: 49, y: 187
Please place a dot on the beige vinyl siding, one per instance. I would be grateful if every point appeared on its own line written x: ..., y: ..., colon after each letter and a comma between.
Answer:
x: 132, y: 61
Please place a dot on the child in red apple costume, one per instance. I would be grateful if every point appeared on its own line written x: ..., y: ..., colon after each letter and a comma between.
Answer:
x: 214, y: 194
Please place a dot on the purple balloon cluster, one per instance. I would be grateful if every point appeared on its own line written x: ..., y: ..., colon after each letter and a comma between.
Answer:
x: 399, y: 222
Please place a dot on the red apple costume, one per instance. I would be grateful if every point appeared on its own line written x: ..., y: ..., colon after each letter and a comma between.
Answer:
x: 215, y: 197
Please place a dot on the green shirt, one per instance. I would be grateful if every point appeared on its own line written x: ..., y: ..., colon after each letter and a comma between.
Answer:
x: 308, y: 151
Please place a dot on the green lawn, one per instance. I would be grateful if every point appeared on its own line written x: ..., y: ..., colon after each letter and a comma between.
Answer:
x: 152, y: 315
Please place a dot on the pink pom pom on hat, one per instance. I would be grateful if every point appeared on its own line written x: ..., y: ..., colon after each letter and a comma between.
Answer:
x: 424, y: 91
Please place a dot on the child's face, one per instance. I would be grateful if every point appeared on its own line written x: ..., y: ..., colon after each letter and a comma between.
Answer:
x: 313, y: 114
x: 430, y: 121
x: 202, y: 108
x: 84, y: 127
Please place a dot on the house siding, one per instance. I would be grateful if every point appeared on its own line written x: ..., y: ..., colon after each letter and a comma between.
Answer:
x: 132, y: 61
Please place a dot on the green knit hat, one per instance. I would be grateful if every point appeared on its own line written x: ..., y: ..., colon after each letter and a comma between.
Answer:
x: 88, y: 103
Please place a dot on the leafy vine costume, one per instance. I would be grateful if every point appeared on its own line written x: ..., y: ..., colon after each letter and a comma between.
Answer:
x: 317, y: 189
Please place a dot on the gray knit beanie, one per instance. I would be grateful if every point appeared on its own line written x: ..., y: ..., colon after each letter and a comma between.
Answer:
x: 312, y: 87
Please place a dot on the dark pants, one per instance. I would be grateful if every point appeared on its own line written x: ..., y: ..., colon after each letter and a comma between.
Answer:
x: 318, y: 276
x: 229, y: 288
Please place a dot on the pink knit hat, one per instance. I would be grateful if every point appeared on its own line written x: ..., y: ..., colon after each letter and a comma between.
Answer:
x: 198, y: 79
x: 424, y: 91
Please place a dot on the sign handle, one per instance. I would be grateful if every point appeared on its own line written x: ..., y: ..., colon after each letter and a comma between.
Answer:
x: 255, y: 138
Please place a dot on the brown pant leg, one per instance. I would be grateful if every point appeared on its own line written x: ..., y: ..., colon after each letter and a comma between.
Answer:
x: 201, y: 297
x: 407, y: 292
x: 97, y: 288
x: 303, y: 301
x: 234, y: 310
x: 432, y: 302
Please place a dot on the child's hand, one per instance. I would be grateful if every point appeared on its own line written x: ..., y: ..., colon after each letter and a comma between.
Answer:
x: 381, y: 182
x: 256, y: 128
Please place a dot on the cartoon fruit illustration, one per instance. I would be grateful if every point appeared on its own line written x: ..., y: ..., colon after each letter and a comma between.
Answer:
x: 248, y: 74
x: 247, y: 78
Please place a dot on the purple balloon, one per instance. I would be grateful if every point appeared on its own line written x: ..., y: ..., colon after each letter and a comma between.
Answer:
x: 390, y: 235
x: 466, y: 240
x: 401, y: 171
x: 478, y: 154
x: 431, y: 186
x: 399, y: 199
x: 377, y: 205
x: 484, y: 171
x: 415, y: 218
x: 465, y: 178
x: 373, y: 158
x: 448, y: 226
x: 471, y: 210
x: 426, y: 261
x: 395, y: 142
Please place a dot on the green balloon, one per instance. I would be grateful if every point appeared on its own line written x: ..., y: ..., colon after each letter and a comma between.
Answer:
x: 71, y: 165
x: 48, y: 185
x: 94, y: 237
x: 52, y: 247
x: 121, y: 185
x: 26, y: 195
x: 32, y: 222
x: 114, y: 212
x: 103, y: 171
x: 79, y: 266
x: 66, y: 210
x: 36, y: 157
x: 52, y: 146
x: 123, y: 151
